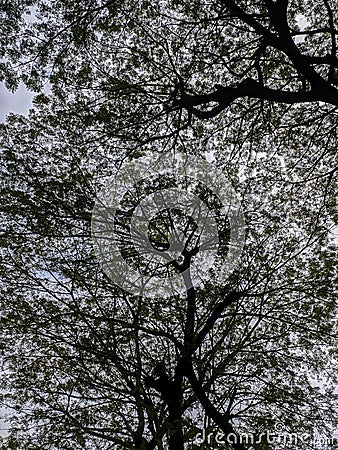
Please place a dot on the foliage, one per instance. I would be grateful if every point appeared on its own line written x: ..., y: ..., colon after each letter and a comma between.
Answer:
x: 87, y: 365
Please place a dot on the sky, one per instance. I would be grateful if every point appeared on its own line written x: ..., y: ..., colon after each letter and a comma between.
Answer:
x: 18, y: 103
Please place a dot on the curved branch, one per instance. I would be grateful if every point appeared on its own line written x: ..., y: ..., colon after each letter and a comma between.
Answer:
x: 224, y: 96
x: 220, y: 419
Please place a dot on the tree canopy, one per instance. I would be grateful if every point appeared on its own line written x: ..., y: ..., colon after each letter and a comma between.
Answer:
x: 245, y: 94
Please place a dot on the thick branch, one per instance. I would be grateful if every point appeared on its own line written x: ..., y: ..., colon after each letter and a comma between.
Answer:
x: 210, y: 409
x: 192, y: 345
x: 332, y: 27
x: 313, y: 32
x: 328, y: 59
x: 224, y: 96
x: 215, y: 315
x: 283, y: 41
x: 278, y: 14
x: 251, y: 21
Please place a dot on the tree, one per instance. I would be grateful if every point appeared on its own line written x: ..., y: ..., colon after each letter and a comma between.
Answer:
x: 88, y: 364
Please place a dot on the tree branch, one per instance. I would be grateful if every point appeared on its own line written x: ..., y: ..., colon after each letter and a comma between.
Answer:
x: 220, y: 419
x: 224, y: 96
